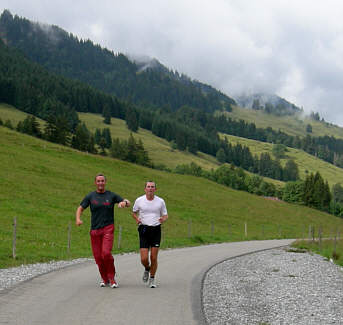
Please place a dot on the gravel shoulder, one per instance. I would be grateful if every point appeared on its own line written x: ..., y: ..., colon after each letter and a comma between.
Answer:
x: 276, y: 286
x: 14, y: 275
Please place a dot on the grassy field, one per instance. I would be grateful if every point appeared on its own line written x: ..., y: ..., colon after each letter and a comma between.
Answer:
x: 8, y: 112
x: 329, y: 248
x: 291, y: 125
x: 161, y: 152
x: 306, y: 162
x: 42, y: 184
x: 159, y: 149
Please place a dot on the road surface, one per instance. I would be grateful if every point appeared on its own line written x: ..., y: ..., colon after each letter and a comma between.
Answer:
x: 72, y: 295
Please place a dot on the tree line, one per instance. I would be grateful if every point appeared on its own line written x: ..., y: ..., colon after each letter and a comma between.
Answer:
x: 65, y: 54
x: 82, y: 139
x: 313, y: 192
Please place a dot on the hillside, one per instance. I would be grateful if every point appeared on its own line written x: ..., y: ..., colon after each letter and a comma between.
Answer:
x: 159, y: 149
x: 306, y: 163
x: 161, y: 152
x: 144, y: 83
x: 292, y: 124
x: 42, y: 184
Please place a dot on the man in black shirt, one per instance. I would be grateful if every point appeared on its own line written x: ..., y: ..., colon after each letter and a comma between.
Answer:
x: 102, y: 203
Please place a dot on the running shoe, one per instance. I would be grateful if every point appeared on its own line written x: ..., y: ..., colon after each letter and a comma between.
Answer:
x: 103, y: 284
x: 152, y: 283
x: 113, y: 284
x: 145, y: 277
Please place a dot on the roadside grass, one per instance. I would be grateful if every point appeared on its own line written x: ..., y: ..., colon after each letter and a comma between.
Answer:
x: 306, y: 163
x: 42, y: 184
x: 292, y: 125
x: 329, y: 248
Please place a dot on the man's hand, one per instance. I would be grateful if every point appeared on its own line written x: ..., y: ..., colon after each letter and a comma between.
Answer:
x: 78, y: 220
x: 163, y: 219
x: 136, y: 217
x: 124, y: 204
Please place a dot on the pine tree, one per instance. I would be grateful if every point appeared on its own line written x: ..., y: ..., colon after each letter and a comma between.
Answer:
x: 106, y: 134
x: 290, y: 171
x: 221, y: 157
x: 106, y: 113
x: 131, y: 119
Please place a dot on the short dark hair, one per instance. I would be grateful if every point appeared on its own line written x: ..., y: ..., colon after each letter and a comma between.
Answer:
x: 99, y: 174
x: 146, y: 183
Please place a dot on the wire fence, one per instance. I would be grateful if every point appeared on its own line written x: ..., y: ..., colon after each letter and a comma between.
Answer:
x: 192, y: 232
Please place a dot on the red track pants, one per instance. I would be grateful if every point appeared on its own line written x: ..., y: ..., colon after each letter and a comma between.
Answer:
x: 102, y: 243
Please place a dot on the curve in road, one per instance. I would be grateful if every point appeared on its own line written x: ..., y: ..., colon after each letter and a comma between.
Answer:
x: 72, y: 295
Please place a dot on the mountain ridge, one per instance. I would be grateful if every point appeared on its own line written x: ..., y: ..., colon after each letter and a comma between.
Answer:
x: 66, y: 54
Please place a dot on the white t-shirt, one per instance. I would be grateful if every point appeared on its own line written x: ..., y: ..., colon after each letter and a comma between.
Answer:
x: 150, y: 211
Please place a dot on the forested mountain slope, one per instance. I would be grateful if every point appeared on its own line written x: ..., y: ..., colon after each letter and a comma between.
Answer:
x: 65, y: 54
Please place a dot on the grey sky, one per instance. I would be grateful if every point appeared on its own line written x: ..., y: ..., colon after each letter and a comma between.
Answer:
x: 291, y: 48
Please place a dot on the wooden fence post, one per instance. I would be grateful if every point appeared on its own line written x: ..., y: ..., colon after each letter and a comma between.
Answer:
x: 69, y: 237
x: 119, y: 236
x: 14, y: 244
x: 246, y: 229
x: 334, y: 255
x: 190, y: 228
x: 309, y: 232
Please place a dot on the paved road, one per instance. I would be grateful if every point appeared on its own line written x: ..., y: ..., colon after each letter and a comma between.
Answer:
x: 72, y: 296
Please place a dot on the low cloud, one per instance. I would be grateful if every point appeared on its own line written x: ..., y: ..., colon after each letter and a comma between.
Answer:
x: 291, y: 48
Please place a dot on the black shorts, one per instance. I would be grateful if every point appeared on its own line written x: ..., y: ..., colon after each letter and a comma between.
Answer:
x: 149, y: 236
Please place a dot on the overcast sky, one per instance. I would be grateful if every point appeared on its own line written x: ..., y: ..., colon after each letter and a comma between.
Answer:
x: 293, y: 48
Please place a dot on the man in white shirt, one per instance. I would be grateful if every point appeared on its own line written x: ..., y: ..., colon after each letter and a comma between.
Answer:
x: 150, y: 212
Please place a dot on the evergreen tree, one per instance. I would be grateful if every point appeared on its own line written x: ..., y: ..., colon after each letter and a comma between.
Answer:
x: 131, y: 118
x: 106, y: 134
x: 291, y: 171
x: 337, y: 193
x: 293, y: 192
x: 97, y: 136
x: 106, y: 113
x: 221, y: 157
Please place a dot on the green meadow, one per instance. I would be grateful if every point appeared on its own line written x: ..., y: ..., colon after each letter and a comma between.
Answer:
x: 159, y: 149
x: 42, y: 184
x: 330, y: 248
x: 306, y: 162
x: 161, y: 152
x: 292, y: 125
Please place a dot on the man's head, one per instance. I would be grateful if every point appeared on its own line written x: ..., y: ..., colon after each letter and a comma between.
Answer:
x: 100, y: 183
x: 150, y: 188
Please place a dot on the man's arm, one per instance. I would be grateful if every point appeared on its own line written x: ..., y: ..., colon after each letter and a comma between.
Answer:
x: 136, y: 217
x: 163, y: 218
x: 79, y: 211
x: 124, y: 204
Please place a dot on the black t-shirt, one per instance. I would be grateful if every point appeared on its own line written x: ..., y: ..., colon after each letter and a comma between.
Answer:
x: 102, y: 208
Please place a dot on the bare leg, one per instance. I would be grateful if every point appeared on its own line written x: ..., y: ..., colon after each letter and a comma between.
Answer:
x: 145, y: 257
x: 153, y: 259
